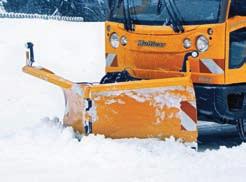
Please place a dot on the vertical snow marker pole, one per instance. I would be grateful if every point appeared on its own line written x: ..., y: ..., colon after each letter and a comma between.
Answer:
x: 29, y: 54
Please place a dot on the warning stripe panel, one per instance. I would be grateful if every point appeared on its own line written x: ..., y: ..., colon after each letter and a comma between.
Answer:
x: 188, y: 116
x: 190, y: 110
x: 211, y: 66
x: 203, y: 68
x: 110, y: 58
x: 187, y: 123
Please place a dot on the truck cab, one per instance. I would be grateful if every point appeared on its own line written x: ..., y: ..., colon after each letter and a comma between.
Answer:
x: 149, y: 39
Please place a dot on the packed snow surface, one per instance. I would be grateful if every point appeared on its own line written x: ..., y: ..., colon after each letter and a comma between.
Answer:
x: 36, y: 148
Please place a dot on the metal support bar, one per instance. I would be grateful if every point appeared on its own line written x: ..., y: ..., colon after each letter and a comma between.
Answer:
x: 88, y: 119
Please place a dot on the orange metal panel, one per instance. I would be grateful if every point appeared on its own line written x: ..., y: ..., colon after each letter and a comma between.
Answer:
x: 128, y: 110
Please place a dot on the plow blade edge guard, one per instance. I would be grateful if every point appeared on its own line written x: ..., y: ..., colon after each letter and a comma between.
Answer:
x: 157, y: 108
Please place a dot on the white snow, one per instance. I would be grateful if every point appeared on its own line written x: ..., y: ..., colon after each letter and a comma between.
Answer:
x: 33, y: 149
x: 59, y: 46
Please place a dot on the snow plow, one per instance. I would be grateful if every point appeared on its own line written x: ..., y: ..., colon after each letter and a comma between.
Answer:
x: 166, y: 68
x: 141, y: 108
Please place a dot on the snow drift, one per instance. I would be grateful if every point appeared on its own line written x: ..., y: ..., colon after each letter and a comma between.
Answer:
x: 34, y: 150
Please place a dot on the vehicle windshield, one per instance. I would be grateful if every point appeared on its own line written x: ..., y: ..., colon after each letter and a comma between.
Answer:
x: 156, y: 12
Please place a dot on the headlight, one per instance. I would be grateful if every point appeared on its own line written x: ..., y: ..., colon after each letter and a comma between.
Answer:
x: 114, y: 40
x: 123, y: 40
x: 187, y: 43
x: 202, y: 43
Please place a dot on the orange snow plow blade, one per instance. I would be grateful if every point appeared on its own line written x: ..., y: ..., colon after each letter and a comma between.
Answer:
x: 157, y: 108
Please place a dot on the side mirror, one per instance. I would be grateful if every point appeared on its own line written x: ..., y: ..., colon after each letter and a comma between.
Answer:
x: 194, y: 54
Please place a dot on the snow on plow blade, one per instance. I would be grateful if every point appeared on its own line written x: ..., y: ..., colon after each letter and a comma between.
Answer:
x: 157, y: 108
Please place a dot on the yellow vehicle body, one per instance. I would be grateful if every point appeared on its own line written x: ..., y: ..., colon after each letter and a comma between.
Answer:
x: 140, y: 60
x: 162, y: 102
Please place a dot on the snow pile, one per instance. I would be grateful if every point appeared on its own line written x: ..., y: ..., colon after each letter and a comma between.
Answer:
x: 31, y: 150
x: 47, y: 152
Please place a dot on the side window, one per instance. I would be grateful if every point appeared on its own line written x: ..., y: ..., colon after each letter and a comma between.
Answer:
x: 238, y: 8
x: 237, y: 48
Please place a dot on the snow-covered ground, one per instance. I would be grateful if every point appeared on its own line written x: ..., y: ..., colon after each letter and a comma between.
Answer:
x: 73, y: 50
x: 32, y: 148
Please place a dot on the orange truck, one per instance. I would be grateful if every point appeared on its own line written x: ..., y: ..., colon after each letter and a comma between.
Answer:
x: 169, y: 64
